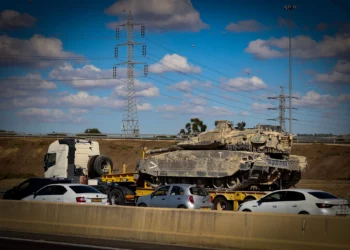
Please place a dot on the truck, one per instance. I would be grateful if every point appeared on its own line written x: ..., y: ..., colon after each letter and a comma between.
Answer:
x: 79, y: 160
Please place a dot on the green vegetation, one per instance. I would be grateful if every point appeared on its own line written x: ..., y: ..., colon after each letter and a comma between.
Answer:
x: 193, y: 127
x: 92, y: 131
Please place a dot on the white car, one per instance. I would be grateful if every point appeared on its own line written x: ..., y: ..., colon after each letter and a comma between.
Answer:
x: 69, y: 193
x: 298, y: 201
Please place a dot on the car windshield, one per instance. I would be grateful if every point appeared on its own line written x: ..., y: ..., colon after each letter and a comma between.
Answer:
x: 198, y: 191
x: 323, y: 195
x: 84, y: 189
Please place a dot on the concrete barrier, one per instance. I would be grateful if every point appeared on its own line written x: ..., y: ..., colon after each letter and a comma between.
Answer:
x: 198, y: 228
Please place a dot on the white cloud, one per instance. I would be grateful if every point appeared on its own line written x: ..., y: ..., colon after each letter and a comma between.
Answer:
x: 261, y: 107
x: 28, y: 85
x: 142, y: 89
x: 36, y: 46
x: 48, y: 115
x: 303, y: 47
x: 193, y: 105
x: 173, y: 62
x: 90, y: 72
x: 340, y: 73
x: 144, y: 107
x: 314, y: 99
x: 243, y: 83
x: 342, y: 66
x: 184, y: 85
x: 158, y: 15
x: 76, y: 111
x: 250, y: 25
x: 10, y: 20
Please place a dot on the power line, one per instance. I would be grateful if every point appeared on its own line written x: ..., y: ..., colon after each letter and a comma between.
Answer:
x: 207, y: 78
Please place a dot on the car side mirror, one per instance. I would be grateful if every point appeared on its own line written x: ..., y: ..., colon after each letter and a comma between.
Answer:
x: 34, y: 194
x: 260, y: 201
x: 152, y: 195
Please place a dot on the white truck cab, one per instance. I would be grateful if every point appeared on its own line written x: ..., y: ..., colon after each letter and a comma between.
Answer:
x: 71, y: 158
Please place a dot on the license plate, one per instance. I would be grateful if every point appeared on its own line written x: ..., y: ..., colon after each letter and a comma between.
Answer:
x: 205, y: 208
x: 96, y: 200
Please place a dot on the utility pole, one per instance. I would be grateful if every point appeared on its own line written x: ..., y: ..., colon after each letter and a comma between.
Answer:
x: 282, y: 109
x: 290, y: 8
x: 130, y: 122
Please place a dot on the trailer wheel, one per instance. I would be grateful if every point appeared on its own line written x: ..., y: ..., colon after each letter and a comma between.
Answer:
x: 220, y: 203
x: 117, y: 197
x: 142, y: 205
x: 101, y: 165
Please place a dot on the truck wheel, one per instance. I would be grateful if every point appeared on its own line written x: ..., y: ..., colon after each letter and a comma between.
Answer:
x: 221, y: 203
x: 117, y: 197
x: 90, y: 166
x: 101, y: 165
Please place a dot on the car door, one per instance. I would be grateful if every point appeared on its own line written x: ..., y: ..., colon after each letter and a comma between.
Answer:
x: 57, y: 193
x: 176, y: 197
x: 272, y: 203
x: 159, y: 197
x: 293, y: 201
x: 43, y: 194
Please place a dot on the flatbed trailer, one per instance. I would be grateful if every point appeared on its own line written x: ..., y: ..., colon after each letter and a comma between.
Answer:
x: 123, y: 189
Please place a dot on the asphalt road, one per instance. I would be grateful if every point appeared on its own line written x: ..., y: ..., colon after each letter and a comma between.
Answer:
x: 31, y: 241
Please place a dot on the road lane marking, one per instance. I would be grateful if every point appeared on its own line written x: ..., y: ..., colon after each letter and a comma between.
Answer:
x: 62, y: 243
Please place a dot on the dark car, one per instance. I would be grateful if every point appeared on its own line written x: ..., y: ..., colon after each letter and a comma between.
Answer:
x: 28, y: 187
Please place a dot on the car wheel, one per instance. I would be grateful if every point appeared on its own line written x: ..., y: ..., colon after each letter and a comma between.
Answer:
x: 142, y: 205
x: 303, y: 212
x: 182, y: 207
x: 246, y: 210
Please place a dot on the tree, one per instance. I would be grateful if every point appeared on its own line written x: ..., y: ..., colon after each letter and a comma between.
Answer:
x: 240, y: 125
x: 92, y: 131
x: 193, y: 127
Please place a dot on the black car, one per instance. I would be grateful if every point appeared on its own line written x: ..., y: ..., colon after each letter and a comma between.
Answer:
x: 28, y: 187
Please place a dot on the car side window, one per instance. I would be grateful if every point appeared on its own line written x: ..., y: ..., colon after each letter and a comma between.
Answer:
x: 176, y: 190
x: 24, y: 185
x: 58, y: 190
x: 275, y: 197
x: 294, y: 196
x: 163, y: 191
x: 44, y: 191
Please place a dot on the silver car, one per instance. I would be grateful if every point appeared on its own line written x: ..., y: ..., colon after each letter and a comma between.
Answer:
x: 184, y: 196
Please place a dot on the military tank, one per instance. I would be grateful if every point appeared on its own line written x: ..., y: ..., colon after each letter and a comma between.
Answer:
x: 226, y: 158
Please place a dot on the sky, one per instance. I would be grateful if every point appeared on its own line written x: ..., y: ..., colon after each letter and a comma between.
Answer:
x: 215, y: 60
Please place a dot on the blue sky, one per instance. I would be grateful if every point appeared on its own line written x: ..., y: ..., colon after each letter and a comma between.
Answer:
x: 207, y: 59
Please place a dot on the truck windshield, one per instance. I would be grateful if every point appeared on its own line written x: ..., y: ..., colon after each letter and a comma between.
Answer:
x: 199, y: 191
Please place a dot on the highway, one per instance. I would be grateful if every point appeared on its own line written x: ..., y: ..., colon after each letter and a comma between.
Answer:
x: 30, y: 241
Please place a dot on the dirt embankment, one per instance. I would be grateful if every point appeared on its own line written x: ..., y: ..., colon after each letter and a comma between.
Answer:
x: 326, y: 162
x: 329, y: 165
x: 24, y: 157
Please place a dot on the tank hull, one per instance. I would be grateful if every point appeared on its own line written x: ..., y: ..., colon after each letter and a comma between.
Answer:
x: 235, y: 170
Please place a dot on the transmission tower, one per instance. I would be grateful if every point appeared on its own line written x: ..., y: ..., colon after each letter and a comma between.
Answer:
x: 282, y: 109
x: 130, y: 122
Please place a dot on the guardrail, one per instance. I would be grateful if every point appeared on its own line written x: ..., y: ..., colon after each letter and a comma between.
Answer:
x: 216, y: 229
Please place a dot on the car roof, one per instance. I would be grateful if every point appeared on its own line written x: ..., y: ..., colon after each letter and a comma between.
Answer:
x: 306, y: 190
x: 68, y: 184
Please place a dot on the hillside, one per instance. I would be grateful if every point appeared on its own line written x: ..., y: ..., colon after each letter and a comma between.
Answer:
x: 24, y: 157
